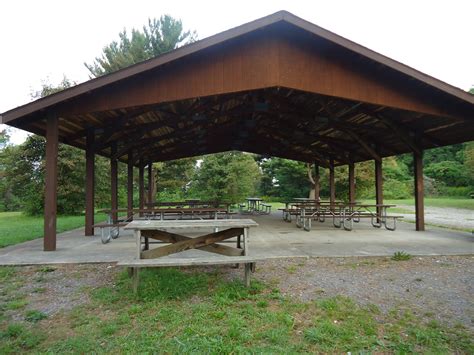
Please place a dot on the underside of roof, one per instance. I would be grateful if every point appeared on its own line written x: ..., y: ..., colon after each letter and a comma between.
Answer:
x: 278, y: 86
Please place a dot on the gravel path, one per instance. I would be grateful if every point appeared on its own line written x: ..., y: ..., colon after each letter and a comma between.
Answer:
x: 443, y: 216
x: 440, y: 287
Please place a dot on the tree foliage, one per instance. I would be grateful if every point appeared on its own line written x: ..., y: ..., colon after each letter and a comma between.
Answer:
x: 4, y: 138
x: 229, y: 176
x: 157, y: 37
x: 173, y: 178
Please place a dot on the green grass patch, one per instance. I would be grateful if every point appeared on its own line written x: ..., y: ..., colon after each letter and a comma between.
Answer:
x: 34, y: 316
x: 188, y: 311
x: 465, y: 203
x: 401, y: 256
x: 15, y: 227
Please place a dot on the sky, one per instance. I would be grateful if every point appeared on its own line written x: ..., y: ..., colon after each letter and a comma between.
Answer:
x: 41, y: 41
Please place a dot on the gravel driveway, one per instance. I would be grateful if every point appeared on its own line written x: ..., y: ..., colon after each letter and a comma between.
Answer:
x: 443, y: 216
x: 441, y: 287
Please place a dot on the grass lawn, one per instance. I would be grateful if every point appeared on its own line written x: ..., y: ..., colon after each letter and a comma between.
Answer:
x: 466, y: 203
x: 15, y: 227
x: 196, y: 312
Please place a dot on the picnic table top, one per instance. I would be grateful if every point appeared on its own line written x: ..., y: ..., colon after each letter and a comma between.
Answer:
x: 161, y: 210
x: 182, y: 224
x: 344, y: 204
x: 254, y: 199
x: 188, y: 202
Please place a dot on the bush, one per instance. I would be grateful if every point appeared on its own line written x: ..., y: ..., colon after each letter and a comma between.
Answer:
x: 452, y: 173
x: 456, y: 191
x: 394, y: 189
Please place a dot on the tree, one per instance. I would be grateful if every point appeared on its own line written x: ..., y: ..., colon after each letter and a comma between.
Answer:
x: 48, y: 89
x: 449, y: 172
x: 158, y: 36
x: 469, y: 160
x: 4, y: 138
x: 288, y: 178
x: 173, y: 178
x: 229, y: 176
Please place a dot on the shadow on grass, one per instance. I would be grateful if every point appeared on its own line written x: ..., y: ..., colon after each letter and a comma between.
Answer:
x: 174, y: 284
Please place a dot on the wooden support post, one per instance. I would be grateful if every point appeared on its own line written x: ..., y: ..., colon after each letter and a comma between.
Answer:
x: 316, y: 182
x: 114, y: 184
x: 150, y: 183
x: 378, y: 184
x: 332, y: 186
x: 90, y: 183
x: 351, y: 182
x: 51, y: 183
x: 419, y: 191
x: 130, y: 186
x: 141, y: 188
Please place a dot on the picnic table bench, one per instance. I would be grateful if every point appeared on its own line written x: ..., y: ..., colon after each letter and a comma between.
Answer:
x: 346, y: 214
x: 160, y: 230
x: 111, y: 229
x: 255, y: 205
x: 343, y: 214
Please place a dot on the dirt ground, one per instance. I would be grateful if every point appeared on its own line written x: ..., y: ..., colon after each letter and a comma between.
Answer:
x: 440, y: 287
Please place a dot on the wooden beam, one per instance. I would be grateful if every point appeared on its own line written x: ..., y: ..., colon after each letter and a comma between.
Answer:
x: 114, y: 185
x: 192, y: 243
x: 362, y: 143
x: 351, y: 182
x: 112, y: 124
x: 130, y: 185
x: 51, y: 183
x: 419, y: 191
x: 90, y: 183
x: 403, y: 134
x: 173, y: 238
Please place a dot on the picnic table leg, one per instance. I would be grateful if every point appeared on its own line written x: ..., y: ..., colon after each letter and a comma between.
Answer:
x: 246, y: 247
x: 239, y: 246
x: 138, y: 241
x: 247, y: 274
x: 307, y: 224
x: 236, y: 266
x: 135, y: 279
x: 387, y: 227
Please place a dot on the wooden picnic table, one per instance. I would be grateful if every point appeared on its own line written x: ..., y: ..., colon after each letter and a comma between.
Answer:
x: 221, y: 231
x: 191, y: 203
x: 176, y: 210
x: 110, y: 229
x: 253, y: 204
x: 303, y: 201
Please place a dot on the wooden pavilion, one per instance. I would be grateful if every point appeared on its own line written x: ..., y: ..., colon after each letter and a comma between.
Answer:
x: 277, y: 86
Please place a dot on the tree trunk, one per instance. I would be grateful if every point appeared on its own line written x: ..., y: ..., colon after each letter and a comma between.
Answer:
x: 312, y: 188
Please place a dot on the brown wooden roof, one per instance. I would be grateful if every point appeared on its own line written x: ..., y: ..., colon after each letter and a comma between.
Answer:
x: 278, y: 86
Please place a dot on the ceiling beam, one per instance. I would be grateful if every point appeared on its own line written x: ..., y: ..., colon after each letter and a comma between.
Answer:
x: 403, y: 134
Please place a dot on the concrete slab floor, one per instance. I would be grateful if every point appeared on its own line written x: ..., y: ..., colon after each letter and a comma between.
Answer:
x: 273, y: 238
